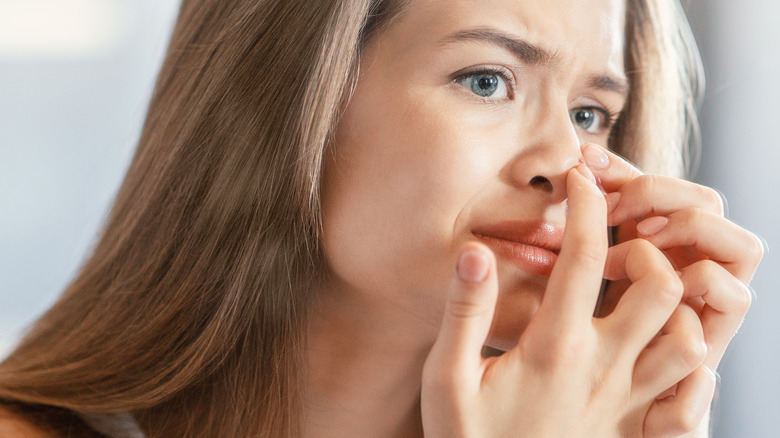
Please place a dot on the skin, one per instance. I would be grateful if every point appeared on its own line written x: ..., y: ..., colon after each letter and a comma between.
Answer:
x: 14, y: 425
x: 475, y: 160
x: 419, y: 160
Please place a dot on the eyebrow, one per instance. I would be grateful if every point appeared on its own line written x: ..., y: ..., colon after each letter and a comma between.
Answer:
x: 525, y: 51
x: 608, y: 83
x: 532, y: 55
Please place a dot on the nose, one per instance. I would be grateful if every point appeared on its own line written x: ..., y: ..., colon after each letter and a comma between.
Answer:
x: 546, y: 154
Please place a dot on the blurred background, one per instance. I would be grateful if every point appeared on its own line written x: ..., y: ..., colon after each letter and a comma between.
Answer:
x: 76, y: 77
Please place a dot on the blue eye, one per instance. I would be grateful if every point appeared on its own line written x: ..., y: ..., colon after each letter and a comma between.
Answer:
x: 485, y: 84
x: 590, y: 120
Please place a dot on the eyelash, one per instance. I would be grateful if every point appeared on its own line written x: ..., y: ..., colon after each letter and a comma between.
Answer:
x: 507, y: 77
x: 610, y: 116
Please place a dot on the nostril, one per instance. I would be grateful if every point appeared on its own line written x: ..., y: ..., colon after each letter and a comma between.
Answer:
x: 541, y: 182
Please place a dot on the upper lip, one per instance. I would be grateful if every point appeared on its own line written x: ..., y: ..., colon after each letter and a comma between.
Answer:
x: 534, y: 233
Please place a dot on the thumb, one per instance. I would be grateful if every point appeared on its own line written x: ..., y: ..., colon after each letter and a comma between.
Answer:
x: 469, y: 309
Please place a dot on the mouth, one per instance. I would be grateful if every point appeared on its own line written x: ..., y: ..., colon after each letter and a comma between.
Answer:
x: 531, y: 246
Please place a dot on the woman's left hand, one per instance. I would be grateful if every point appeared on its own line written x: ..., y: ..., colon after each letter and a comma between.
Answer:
x: 715, y: 257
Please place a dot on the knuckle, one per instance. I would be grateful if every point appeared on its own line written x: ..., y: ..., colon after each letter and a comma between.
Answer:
x: 647, y: 183
x: 703, y: 269
x: 641, y: 247
x: 670, y: 287
x: 642, y: 251
x: 755, y: 247
x: 462, y: 305
x: 743, y: 299
x: 461, y: 308
x: 667, y: 283
x: 713, y: 199
x: 588, y: 252
x: 572, y: 349
x: 693, y: 350
x: 685, y: 419
x: 567, y: 351
x: 691, y: 217
x: 643, y: 188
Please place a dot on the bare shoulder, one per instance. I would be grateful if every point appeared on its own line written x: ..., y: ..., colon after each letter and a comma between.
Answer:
x: 14, y: 425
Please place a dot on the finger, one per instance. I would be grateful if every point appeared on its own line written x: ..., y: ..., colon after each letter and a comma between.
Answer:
x: 675, y: 353
x: 646, y: 305
x: 726, y: 301
x: 658, y: 195
x: 685, y: 411
x: 572, y: 290
x: 736, y: 249
x: 468, y: 312
x: 611, y: 170
x: 634, y: 195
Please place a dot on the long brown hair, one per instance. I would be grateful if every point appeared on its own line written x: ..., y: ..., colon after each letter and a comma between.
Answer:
x: 191, y: 310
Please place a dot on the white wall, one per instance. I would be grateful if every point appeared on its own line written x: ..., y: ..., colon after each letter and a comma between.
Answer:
x: 740, y: 43
x: 75, y: 80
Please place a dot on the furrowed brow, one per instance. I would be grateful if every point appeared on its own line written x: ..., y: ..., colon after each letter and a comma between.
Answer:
x: 609, y: 83
x: 523, y: 50
x: 532, y: 55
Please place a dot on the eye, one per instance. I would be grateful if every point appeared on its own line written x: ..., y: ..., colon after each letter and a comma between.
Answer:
x: 590, y: 119
x: 485, y: 84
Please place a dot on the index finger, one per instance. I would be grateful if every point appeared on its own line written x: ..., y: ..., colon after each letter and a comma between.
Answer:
x: 574, y: 284
x: 611, y: 169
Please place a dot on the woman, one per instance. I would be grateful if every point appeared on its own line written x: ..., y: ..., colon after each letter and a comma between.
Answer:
x: 328, y: 205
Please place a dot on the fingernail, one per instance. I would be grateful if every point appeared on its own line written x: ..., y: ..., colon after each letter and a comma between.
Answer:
x: 613, y: 199
x: 595, y: 157
x: 651, y: 226
x: 473, y: 266
x: 586, y: 172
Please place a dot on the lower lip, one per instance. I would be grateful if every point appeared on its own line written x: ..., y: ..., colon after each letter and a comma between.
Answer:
x: 530, y: 258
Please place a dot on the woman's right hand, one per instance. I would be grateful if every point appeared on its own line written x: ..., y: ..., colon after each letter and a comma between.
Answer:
x: 570, y: 375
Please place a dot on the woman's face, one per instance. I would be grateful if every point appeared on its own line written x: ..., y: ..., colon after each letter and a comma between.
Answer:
x: 466, y: 117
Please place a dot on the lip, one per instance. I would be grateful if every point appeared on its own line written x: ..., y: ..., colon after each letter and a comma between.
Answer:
x: 532, y: 246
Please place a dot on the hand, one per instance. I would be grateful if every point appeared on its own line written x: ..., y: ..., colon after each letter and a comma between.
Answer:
x: 715, y: 257
x: 570, y: 374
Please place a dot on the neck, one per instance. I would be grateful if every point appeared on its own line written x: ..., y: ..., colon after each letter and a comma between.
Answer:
x: 365, y: 360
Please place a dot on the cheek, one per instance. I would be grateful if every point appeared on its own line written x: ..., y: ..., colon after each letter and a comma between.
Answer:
x: 397, y: 182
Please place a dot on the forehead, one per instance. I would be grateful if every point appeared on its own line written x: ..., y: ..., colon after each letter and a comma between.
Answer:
x: 575, y: 31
